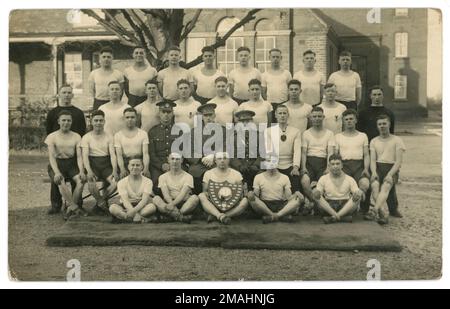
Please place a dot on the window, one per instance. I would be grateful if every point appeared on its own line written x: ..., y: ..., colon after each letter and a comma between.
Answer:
x: 226, y: 56
x: 401, y: 45
x: 401, y: 87
x: 194, y: 48
x: 73, y: 71
x: 263, y: 45
x: 401, y: 12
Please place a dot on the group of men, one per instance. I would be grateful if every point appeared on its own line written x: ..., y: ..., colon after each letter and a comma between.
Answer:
x: 324, y: 157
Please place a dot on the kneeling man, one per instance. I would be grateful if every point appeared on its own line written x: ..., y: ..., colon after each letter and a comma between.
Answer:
x: 176, y: 186
x: 135, y: 191
x: 336, y: 193
x: 231, y: 195
x: 272, y: 196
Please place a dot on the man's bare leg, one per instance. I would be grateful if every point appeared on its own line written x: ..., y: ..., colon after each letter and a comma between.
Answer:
x: 290, y: 207
x: 78, y: 191
x: 118, y: 212
x: 323, y: 204
x: 260, y: 207
x: 148, y: 210
x: 236, y: 211
x: 190, y: 205
x: 348, y: 208
x: 208, y: 207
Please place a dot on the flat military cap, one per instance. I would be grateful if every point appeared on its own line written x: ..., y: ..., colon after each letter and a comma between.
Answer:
x: 245, y: 115
x: 207, y: 109
x: 166, y: 105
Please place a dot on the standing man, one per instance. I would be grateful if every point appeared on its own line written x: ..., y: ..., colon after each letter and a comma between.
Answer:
x: 169, y: 77
x: 348, y: 82
x: 312, y: 80
x: 186, y: 106
x: 353, y: 147
x: 131, y: 142
x: 114, y: 121
x: 367, y: 118
x: 242, y: 75
x: 289, y: 150
x: 136, y: 76
x: 78, y: 125
x: 66, y: 163
x: 100, y: 78
x: 275, y: 80
x: 256, y: 104
x: 337, y: 194
x: 386, y: 157
x: 148, y: 110
x: 332, y: 110
x: 317, y: 146
x: 99, y: 159
x: 226, y: 106
x: 160, y: 141
x: 298, y: 110
x: 204, y: 78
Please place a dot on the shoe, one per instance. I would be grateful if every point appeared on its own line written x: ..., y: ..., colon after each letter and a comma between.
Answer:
x: 71, y: 214
x: 346, y: 219
x: 329, y: 219
x: 151, y: 219
x: 269, y: 219
x: 371, y: 215
x: 53, y: 211
x: 287, y: 219
x: 210, y: 219
x: 224, y: 219
x: 165, y: 219
x: 184, y: 218
x: 115, y: 220
x: 396, y: 214
x: 382, y: 217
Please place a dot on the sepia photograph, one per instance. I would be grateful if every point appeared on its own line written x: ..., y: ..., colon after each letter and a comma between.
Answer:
x: 225, y: 144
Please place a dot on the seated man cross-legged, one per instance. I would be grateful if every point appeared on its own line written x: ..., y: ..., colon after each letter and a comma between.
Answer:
x: 272, y: 197
x: 337, y: 194
x: 176, y: 186
x: 135, y: 192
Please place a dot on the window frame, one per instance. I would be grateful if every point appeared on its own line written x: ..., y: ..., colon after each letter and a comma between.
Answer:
x: 266, y: 61
x: 65, y: 72
x: 397, y: 47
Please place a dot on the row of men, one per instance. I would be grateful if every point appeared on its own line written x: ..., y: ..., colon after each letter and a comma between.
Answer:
x: 317, y: 145
x: 274, y: 81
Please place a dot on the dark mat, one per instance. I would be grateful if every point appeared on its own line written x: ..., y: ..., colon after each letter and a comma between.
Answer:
x: 307, y: 233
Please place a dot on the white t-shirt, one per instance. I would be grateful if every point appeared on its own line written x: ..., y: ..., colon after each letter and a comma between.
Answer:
x: 225, y: 109
x: 311, y: 82
x: 131, y: 146
x: 169, y: 77
x: 289, y: 151
x: 185, y: 112
x: 98, y: 145
x: 298, y: 115
x: 101, y: 82
x: 149, y: 115
x: 333, y: 117
x: 271, y: 188
x: 260, y: 108
x: 386, y: 148
x: 317, y: 147
x: 277, y: 90
x: 137, y: 79
x: 346, y: 84
x: 232, y: 176
x: 114, y: 119
x: 65, y: 145
x: 239, y: 79
x: 351, y: 147
x: 175, y: 183
x: 124, y: 189
x: 330, y: 191
x: 205, y: 84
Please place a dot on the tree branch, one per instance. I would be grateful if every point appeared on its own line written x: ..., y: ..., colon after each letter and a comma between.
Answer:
x: 222, y: 40
x: 142, y: 26
x: 190, y: 25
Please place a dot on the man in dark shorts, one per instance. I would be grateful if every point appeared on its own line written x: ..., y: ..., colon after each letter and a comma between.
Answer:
x: 336, y: 193
x: 99, y: 160
x: 386, y: 157
x: 317, y: 146
x: 66, y: 163
x: 65, y: 96
x: 272, y: 196
x: 353, y: 146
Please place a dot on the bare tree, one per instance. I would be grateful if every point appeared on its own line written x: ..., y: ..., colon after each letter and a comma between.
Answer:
x: 158, y: 29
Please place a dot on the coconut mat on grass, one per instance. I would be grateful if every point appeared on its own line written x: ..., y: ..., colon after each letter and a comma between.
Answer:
x: 307, y: 233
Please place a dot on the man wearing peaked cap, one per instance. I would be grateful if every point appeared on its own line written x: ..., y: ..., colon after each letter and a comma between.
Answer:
x: 201, y: 159
x: 245, y: 115
x: 166, y: 105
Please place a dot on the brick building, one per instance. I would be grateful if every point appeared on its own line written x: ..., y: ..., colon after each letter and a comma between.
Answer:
x: 49, y: 47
